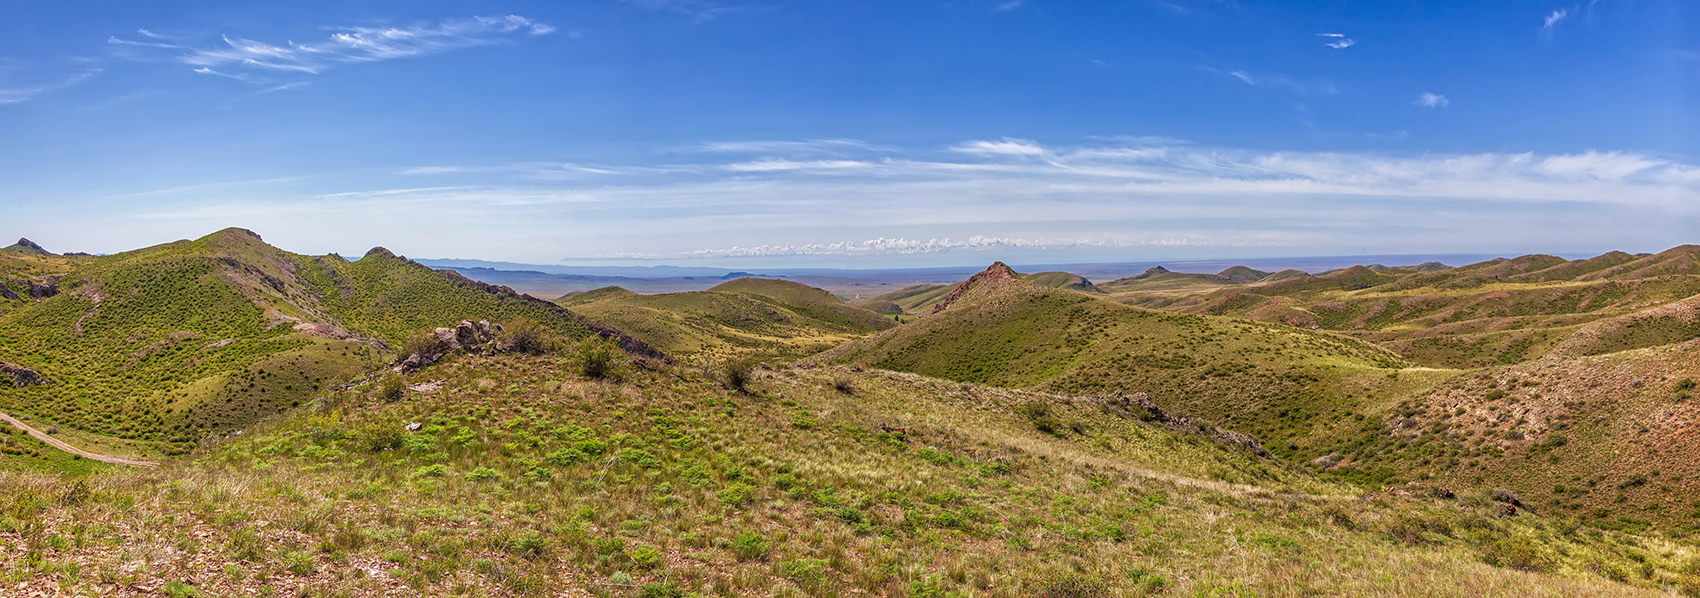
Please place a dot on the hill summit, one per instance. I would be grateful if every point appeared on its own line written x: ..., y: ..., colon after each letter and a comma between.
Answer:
x: 27, y: 246
x: 993, y: 277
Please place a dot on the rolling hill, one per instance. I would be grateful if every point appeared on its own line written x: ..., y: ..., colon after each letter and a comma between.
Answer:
x: 1489, y: 313
x: 1027, y: 436
x: 1297, y: 390
x: 171, y: 343
x: 754, y: 317
x: 511, y: 475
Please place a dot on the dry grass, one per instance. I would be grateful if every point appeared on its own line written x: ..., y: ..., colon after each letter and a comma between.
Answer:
x: 527, y: 479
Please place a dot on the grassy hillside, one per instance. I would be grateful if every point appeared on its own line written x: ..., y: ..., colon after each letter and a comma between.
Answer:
x: 753, y: 317
x: 1491, y: 313
x: 171, y: 343
x: 915, y: 299
x: 1061, y: 280
x: 1609, y: 438
x: 1301, y: 392
x: 527, y: 480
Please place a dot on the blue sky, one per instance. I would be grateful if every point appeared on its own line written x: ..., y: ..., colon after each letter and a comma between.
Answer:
x: 703, y: 132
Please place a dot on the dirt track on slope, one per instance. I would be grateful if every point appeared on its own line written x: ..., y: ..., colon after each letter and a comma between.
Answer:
x: 39, y: 435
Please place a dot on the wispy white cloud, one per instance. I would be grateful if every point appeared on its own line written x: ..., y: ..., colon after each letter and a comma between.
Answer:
x: 1276, y: 81
x: 701, y: 10
x: 1008, y: 5
x: 1553, y: 19
x: 1433, y: 100
x: 346, y: 45
x: 1005, y: 147
x: 985, y: 197
x: 779, y: 165
x: 786, y: 147
x: 1338, y: 41
x: 905, y: 246
x: 14, y: 89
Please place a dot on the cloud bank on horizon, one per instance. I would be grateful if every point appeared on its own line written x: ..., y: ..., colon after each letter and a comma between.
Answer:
x: 707, y: 131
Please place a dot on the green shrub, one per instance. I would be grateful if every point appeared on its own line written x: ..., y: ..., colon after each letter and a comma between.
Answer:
x: 591, y: 446
x: 665, y: 589
x: 524, y: 335
x: 566, y: 456
x: 431, y: 471
x: 391, y: 389
x: 532, y: 545
x: 299, y: 563
x: 737, y: 495
x: 645, y: 557
x: 424, y: 343
x: 844, y: 385
x: 380, y: 438
x: 1040, y: 415
x: 736, y: 374
x: 749, y: 546
x: 640, y: 458
x: 179, y: 589
x: 599, y: 358
x: 1513, y: 552
x: 483, y: 474
x: 1070, y: 584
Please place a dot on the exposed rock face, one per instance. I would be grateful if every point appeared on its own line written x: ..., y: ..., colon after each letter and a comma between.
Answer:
x: 995, y: 275
x: 468, y: 335
x: 27, y: 246
x: 36, y: 288
x: 21, y: 376
x: 1140, y: 406
x: 465, y: 336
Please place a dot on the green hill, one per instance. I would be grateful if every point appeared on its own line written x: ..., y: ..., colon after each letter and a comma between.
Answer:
x: 1607, y: 438
x: 1490, y: 313
x: 524, y: 479
x: 915, y: 299
x: 1297, y: 389
x: 1160, y: 279
x: 25, y: 247
x: 171, y: 343
x: 743, y: 317
x: 1061, y: 280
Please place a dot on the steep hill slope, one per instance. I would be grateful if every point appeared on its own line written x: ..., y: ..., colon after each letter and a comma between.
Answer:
x: 744, y: 317
x: 1610, y: 438
x: 523, y: 479
x: 1297, y: 390
x: 172, y: 342
x: 25, y: 247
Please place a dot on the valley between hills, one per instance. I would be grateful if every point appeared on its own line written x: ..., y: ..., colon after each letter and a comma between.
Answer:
x: 326, y: 426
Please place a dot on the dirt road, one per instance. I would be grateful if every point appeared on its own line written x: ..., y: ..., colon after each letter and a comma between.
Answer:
x: 71, y: 449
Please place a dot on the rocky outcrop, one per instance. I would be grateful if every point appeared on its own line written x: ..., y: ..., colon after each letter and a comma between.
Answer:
x: 27, y: 247
x: 1140, y: 406
x: 21, y: 376
x: 626, y: 341
x: 995, y: 275
x: 467, y: 336
x: 32, y: 288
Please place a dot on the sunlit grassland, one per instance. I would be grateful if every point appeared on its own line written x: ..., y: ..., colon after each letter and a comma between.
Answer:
x: 526, y: 479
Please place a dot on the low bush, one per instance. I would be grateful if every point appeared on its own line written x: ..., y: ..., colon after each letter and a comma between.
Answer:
x: 391, y: 389
x: 736, y: 374
x: 599, y: 358
x: 523, y: 335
